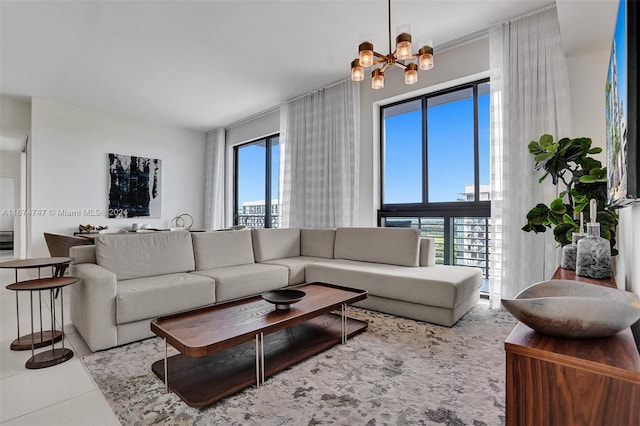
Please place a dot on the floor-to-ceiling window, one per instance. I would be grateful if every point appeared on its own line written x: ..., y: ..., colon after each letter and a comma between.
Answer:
x: 256, y: 183
x: 435, y: 171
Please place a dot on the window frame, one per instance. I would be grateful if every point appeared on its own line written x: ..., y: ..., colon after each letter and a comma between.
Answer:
x: 425, y: 204
x: 446, y: 210
x: 268, y: 141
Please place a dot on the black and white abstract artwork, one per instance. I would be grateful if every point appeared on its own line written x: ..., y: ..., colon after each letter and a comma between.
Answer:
x: 134, y: 186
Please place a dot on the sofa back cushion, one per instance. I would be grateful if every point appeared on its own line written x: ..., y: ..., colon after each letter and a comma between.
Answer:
x: 138, y: 255
x: 222, y: 248
x: 269, y: 244
x: 317, y: 242
x: 427, y: 251
x: 393, y: 246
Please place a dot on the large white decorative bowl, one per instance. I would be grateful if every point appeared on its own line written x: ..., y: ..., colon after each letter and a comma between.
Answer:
x: 574, y: 309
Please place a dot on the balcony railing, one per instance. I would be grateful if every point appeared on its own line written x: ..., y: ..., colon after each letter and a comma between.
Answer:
x: 459, y: 240
x: 256, y: 221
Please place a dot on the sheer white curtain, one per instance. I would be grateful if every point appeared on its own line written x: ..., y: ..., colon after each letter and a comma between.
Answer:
x: 319, y: 151
x: 214, y: 210
x: 529, y: 97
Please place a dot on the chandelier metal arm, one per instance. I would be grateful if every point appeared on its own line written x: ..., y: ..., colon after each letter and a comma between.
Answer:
x: 389, y: 15
x: 380, y: 55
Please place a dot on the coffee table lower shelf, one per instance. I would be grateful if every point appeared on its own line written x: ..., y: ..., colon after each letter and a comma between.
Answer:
x: 202, y: 381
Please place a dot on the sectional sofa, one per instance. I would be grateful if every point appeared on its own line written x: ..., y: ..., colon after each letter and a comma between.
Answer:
x: 127, y: 280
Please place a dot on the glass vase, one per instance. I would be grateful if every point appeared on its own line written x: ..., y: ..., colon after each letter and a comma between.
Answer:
x: 594, y: 254
x: 570, y: 251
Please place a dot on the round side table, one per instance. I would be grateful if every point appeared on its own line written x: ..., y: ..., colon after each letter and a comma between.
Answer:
x: 44, y: 337
x: 53, y: 356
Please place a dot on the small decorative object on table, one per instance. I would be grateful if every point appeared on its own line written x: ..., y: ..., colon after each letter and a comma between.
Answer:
x: 283, y: 299
x: 570, y: 251
x: 182, y: 221
x: 90, y: 229
x: 594, y: 252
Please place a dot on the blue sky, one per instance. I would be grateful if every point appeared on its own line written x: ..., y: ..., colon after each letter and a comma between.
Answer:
x: 450, y: 156
x: 620, y: 38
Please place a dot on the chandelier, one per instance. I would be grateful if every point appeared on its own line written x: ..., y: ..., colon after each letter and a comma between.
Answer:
x: 402, y: 57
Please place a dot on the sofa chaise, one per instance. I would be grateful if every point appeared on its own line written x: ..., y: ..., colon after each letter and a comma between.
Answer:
x: 126, y: 280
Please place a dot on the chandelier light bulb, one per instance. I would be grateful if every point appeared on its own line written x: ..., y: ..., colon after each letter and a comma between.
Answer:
x: 401, y: 57
x: 357, y: 71
x: 403, y: 43
x: 425, y: 57
x: 411, y: 74
x: 377, y: 79
x: 366, y: 54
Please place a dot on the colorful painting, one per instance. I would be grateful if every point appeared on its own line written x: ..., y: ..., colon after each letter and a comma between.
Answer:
x: 616, y: 123
x: 134, y: 186
x: 621, y: 110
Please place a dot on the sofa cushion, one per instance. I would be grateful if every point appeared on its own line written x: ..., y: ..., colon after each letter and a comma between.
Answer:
x: 83, y: 254
x: 317, y: 242
x: 233, y: 282
x: 269, y: 244
x: 296, y: 266
x: 219, y: 249
x: 427, y: 251
x: 143, y: 298
x: 393, y: 246
x: 138, y: 255
x: 441, y: 285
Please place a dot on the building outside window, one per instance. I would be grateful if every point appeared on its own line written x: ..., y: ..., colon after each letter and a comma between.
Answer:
x: 256, y: 183
x: 435, y: 171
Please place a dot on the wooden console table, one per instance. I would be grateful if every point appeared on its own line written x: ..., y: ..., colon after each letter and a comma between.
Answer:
x: 556, y: 381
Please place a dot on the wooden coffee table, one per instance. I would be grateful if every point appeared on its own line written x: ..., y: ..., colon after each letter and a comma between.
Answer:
x: 227, y: 347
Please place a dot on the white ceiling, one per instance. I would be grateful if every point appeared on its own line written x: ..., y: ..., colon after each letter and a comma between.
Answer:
x: 205, y: 64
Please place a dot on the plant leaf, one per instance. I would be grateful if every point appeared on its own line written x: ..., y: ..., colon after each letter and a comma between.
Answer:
x: 534, y: 148
x: 569, y: 219
x: 545, y: 141
x: 560, y: 233
x: 538, y: 215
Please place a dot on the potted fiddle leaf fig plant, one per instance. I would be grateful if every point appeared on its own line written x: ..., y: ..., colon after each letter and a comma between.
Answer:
x: 583, y: 178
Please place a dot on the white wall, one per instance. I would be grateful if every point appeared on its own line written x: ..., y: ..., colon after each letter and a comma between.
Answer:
x: 69, y: 168
x: 15, y: 122
x: 254, y: 128
x: 587, y: 74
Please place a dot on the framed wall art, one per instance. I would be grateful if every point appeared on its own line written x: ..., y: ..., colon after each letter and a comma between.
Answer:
x: 622, y: 99
x: 134, y: 186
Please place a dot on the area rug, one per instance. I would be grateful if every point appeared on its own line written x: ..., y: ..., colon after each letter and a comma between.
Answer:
x: 397, y: 372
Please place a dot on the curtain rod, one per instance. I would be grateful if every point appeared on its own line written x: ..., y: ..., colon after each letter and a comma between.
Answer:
x: 531, y: 13
x: 316, y: 90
